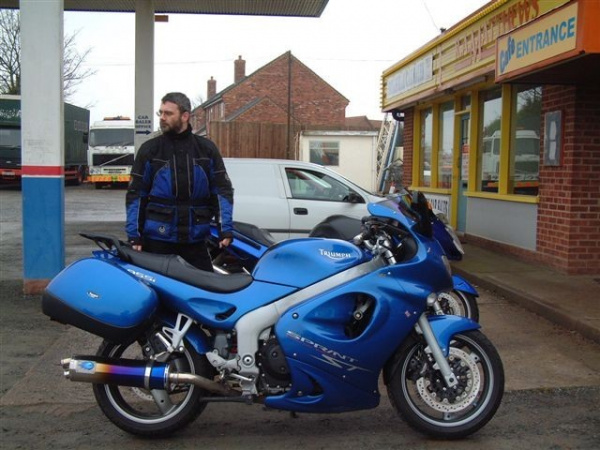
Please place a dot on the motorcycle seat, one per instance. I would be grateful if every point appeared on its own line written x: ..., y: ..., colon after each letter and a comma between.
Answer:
x: 174, y: 266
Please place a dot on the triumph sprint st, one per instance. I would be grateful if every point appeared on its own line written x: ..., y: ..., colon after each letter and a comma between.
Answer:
x: 251, y: 242
x: 311, y: 329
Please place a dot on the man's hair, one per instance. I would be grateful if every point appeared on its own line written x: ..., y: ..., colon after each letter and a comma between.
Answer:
x: 181, y: 100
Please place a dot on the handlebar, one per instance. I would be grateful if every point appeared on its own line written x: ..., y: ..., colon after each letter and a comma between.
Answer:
x: 377, y: 240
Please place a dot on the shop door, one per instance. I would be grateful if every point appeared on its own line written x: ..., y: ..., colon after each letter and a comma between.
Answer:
x: 465, y: 121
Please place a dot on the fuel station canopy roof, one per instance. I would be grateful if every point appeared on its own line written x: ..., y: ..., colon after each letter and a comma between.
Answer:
x: 295, y: 8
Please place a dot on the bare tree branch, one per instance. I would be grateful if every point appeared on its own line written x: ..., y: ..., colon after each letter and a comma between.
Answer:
x: 74, y: 68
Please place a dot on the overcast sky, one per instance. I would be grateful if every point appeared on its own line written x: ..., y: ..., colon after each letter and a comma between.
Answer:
x: 349, y: 46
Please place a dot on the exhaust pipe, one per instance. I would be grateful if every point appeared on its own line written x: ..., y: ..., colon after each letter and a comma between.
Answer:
x: 135, y: 373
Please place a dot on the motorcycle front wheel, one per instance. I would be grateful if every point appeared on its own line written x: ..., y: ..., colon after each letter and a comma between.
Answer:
x: 152, y: 413
x: 459, y: 303
x: 418, y: 392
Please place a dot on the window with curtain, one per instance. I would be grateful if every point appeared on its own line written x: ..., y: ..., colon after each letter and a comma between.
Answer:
x: 326, y: 153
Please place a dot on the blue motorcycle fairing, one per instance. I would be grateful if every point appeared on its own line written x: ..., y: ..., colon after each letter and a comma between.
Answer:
x: 445, y: 327
x: 218, y: 310
x: 460, y: 284
x: 332, y: 399
x: 315, y: 334
x: 302, y: 262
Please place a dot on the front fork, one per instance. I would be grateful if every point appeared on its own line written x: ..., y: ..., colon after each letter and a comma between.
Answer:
x: 436, y: 351
x: 438, y: 332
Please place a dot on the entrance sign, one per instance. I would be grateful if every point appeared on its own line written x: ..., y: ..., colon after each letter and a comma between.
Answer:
x: 546, y: 38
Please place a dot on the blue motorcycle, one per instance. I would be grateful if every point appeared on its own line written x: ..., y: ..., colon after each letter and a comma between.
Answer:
x: 251, y: 242
x: 311, y: 329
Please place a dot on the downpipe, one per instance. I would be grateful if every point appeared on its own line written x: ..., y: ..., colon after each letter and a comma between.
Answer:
x: 135, y: 373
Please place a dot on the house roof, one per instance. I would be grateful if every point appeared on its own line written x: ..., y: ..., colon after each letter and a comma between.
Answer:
x: 362, y: 123
x: 219, y: 96
x: 295, y: 8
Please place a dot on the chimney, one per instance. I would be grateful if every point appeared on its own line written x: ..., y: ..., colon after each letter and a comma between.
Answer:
x: 211, y: 89
x: 239, y: 72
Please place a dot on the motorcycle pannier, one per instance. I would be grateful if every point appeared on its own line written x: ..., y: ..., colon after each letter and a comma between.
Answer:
x: 101, y: 298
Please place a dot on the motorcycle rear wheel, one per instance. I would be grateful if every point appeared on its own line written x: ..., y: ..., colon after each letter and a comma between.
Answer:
x: 459, y: 303
x: 154, y: 413
x: 418, y: 393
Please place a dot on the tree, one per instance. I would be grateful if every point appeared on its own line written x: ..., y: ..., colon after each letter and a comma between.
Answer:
x: 74, y: 70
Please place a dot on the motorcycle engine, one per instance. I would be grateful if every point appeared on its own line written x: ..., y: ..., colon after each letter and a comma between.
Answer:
x: 275, y: 373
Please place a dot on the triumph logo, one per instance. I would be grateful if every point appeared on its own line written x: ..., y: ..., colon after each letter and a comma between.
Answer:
x: 334, y: 255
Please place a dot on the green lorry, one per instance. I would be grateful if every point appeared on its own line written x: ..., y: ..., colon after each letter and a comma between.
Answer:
x: 77, y: 122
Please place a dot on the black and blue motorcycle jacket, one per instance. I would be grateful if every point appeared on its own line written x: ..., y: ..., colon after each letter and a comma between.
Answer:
x: 178, y: 185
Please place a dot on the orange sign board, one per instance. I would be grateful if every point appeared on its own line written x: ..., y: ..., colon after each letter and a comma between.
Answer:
x: 547, y: 38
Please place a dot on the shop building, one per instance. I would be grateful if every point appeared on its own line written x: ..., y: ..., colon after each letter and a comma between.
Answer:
x: 502, y: 128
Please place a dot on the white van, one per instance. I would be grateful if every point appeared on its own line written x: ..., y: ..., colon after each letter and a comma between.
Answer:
x: 288, y: 198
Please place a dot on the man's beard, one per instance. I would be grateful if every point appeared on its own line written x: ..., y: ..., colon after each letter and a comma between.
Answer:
x: 177, y: 127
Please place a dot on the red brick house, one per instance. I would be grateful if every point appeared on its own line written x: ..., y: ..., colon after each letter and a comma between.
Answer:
x: 260, y: 114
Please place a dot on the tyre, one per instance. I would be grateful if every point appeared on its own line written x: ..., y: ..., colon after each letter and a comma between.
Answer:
x: 153, y: 413
x: 459, y: 303
x: 417, y: 390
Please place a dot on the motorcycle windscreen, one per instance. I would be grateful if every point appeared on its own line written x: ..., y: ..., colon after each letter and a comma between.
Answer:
x: 302, y: 262
x: 101, y: 298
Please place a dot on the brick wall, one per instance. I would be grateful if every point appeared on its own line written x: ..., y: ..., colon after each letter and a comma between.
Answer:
x: 313, y: 101
x: 283, y: 85
x: 409, y: 127
x: 569, y: 212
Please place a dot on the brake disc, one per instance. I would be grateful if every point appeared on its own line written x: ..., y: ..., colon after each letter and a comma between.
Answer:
x: 469, y: 380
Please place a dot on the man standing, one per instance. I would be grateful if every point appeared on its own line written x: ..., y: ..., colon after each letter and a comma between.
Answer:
x: 178, y: 184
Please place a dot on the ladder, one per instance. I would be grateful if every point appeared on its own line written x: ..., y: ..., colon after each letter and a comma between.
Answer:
x: 385, y: 141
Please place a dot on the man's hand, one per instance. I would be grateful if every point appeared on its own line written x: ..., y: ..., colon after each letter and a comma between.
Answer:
x: 225, y: 243
x: 137, y: 247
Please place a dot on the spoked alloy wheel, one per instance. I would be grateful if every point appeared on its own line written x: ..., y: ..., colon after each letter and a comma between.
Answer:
x: 152, y: 412
x: 419, y: 393
x: 459, y: 303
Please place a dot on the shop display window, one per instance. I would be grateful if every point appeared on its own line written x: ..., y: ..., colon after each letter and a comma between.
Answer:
x: 490, y: 139
x: 426, y: 145
x: 446, y: 144
x: 525, y: 140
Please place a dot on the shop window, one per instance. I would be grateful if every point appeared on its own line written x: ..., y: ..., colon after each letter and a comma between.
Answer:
x: 525, y: 140
x: 489, y: 156
x: 426, y: 144
x: 446, y: 144
x: 326, y: 153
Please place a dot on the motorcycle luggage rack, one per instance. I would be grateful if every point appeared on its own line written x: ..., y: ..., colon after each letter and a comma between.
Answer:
x: 108, y: 242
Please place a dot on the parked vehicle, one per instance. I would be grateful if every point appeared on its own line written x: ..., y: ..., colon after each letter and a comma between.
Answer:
x: 250, y: 244
x: 288, y: 198
x: 310, y: 330
x: 111, y: 151
x: 77, y: 122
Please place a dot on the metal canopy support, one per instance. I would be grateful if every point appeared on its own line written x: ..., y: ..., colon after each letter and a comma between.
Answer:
x: 42, y: 139
x: 144, y: 71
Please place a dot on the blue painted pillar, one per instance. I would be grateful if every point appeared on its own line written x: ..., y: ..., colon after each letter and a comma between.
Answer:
x: 42, y: 139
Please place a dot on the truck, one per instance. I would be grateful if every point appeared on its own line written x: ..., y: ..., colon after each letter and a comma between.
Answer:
x: 111, y: 151
x: 77, y: 122
x: 526, y: 162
